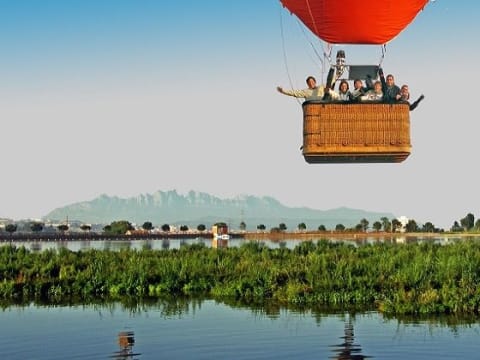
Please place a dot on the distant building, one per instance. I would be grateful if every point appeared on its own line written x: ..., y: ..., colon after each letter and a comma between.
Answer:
x: 220, y: 235
x: 403, y: 221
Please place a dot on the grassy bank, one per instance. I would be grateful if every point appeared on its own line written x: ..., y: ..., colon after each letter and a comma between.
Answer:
x: 396, y: 279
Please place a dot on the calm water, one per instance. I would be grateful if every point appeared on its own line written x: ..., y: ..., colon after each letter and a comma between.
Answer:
x: 177, y: 243
x: 210, y: 330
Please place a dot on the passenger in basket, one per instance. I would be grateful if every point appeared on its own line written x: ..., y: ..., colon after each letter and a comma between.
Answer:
x: 344, y: 93
x: 358, y: 90
x: 405, y: 96
x: 374, y: 95
x: 313, y: 92
x: 404, y: 93
x: 391, y: 92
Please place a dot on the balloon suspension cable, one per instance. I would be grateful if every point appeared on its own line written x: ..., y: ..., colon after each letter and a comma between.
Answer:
x: 326, y: 54
x: 285, y: 61
x: 319, y: 57
x: 384, y: 50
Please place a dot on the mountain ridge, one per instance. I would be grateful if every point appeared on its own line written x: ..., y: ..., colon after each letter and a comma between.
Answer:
x: 193, y: 208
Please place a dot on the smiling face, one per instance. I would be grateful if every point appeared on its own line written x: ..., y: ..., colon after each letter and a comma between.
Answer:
x: 311, y: 82
x: 343, y: 87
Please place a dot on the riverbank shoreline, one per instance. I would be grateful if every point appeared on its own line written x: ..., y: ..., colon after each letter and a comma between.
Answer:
x: 247, y: 235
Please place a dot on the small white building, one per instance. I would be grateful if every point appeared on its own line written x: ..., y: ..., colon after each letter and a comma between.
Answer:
x: 403, y: 221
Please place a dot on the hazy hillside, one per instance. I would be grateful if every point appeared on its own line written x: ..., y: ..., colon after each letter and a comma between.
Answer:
x: 200, y: 208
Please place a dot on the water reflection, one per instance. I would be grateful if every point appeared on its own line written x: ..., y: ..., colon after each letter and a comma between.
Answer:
x: 120, y: 245
x: 177, y: 243
x: 36, y: 246
x: 218, y: 243
x: 165, y: 244
x: 126, y: 341
x: 208, y: 329
x: 348, y: 350
x: 148, y: 245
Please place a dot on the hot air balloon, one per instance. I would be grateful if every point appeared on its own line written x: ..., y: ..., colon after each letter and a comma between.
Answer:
x: 355, y: 132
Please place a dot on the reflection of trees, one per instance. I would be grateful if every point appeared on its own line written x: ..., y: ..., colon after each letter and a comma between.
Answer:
x: 147, y: 245
x: 348, y: 350
x: 62, y: 244
x: 36, y: 246
x: 454, y: 322
x: 269, y: 309
x: 121, y: 245
x: 179, y: 307
x: 85, y: 244
x: 165, y: 244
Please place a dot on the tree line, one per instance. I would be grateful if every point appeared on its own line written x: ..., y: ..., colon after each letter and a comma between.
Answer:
x: 465, y: 224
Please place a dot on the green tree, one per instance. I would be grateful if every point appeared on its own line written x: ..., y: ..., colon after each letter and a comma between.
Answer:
x: 377, y: 226
x: 147, y: 226
x: 165, y: 228
x: 322, y: 228
x: 119, y: 227
x: 364, y: 224
x: 107, y: 229
x: 184, y: 228
x: 11, y: 228
x: 86, y: 227
x: 428, y: 227
x: 261, y: 227
x: 302, y: 226
x: 36, y: 226
x: 468, y: 222
x: 339, y: 227
x: 386, y: 224
x: 63, y: 227
x: 396, y: 225
x: 411, y: 226
x: 243, y: 226
x: 456, y: 227
x: 201, y: 227
x: 282, y: 227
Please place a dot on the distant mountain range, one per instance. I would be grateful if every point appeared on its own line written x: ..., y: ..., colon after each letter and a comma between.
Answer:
x: 197, y: 208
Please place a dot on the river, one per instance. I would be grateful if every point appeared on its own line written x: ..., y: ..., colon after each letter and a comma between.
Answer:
x: 210, y: 330
x: 205, y: 329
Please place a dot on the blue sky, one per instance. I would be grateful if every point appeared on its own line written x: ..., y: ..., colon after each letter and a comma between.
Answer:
x: 130, y: 97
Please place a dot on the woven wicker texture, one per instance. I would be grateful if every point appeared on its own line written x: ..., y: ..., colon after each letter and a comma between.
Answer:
x: 368, y: 132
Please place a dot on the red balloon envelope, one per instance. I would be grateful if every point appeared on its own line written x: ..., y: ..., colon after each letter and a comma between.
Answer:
x: 355, y: 21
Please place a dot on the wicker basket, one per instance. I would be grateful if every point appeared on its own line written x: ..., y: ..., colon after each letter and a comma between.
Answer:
x: 357, y: 133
